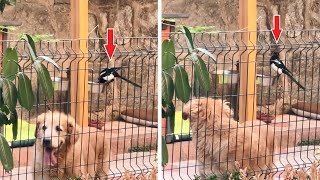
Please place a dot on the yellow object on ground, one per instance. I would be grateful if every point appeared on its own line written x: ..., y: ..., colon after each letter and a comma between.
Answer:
x: 25, y: 131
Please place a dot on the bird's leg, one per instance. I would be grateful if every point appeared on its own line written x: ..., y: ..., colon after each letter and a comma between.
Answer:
x: 276, y: 79
x: 104, y: 87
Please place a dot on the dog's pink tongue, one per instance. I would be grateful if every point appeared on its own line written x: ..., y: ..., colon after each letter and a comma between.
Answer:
x: 49, y: 157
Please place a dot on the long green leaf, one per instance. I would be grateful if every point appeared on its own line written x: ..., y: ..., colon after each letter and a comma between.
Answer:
x: 3, y: 119
x: 31, y: 46
x: 9, y: 94
x: 208, y: 53
x: 5, y: 109
x: 168, y: 55
x: 5, y: 154
x: 164, y: 103
x: 164, y: 150
x: 196, y: 89
x: 26, y: 97
x: 167, y: 87
x: 201, y: 71
x: 163, y: 114
x: 189, y: 40
x: 171, y: 112
x: 10, y: 63
x: 44, y: 78
x: 182, y: 87
x: 14, y: 121
x: 1, y: 91
x: 50, y: 61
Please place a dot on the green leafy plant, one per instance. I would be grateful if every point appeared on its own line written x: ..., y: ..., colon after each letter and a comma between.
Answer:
x: 309, y: 142
x: 213, y: 177
x: 142, y: 148
x: 175, y: 79
x: 10, y: 94
x: 169, y: 19
x: 3, y: 4
x: 40, y: 37
x: 199, y: 29
x: 12, y: 28
x: 235, y: 175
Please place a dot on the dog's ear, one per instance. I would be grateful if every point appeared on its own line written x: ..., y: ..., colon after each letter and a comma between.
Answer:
x: 227, y: 111
x: 72, y: 131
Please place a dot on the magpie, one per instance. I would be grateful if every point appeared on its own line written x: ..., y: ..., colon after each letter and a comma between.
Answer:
x: 107, y: 75
x: 278, y: 66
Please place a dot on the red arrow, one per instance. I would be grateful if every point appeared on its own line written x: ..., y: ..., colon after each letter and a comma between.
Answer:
x: 276, y: 31
x: 110, y: 47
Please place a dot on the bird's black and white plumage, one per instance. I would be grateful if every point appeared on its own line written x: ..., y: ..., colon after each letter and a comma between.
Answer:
x: 278, y: 66
x: 107, y: 75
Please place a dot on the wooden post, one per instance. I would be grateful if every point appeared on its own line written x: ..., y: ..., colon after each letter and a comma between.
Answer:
x: 247, y: 22
x: 79, y: 67
x: 1, y: 39
x: 1, y: 51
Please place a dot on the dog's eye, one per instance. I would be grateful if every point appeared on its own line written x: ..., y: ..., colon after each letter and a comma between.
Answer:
x: 58, y: 128
x: 44, y: 127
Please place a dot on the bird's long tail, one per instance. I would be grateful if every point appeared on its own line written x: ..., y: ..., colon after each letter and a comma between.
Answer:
x: 133, y: 83
x: 294, y: 80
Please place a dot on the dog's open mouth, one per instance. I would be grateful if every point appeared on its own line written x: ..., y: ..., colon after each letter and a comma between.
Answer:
x: 50, y: 157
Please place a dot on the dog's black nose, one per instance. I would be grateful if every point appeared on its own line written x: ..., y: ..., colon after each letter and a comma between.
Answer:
x: 185, y: 115
x: 46, y: 142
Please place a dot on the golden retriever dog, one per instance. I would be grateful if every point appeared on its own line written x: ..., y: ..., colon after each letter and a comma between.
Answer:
x: 63, y: 150
x: 220, y: 140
